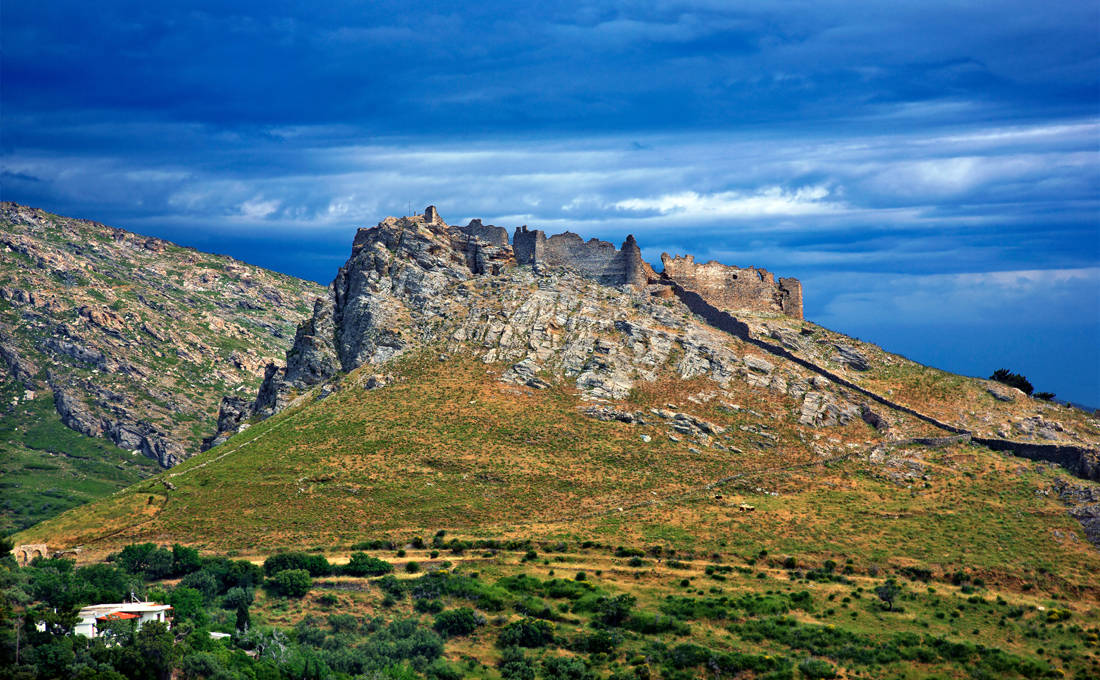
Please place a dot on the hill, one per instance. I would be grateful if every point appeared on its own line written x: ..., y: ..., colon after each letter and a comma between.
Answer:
x: 565, y: 407
x: 128, y: 340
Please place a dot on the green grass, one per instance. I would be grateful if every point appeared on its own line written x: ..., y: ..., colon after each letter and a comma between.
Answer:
x: 46, y: 468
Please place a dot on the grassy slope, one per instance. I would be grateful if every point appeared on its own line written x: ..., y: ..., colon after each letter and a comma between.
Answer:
x: 452, y: 447
x: 46, y: 468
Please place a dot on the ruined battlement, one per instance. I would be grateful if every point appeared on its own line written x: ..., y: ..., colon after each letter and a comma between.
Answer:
x: 486, y: 249
x: 491, y: 235
x: 594, y: 258
x: 729, y: 287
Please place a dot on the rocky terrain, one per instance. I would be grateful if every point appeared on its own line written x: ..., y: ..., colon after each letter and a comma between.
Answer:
x: 133, y: 339
x: 416, y: 281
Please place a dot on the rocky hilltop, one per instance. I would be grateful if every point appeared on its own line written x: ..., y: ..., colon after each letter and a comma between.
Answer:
x: 603, y: 319
x: 133, y: 339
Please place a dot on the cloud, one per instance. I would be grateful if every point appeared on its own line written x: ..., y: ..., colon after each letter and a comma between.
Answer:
x: 257, y: 208
x: 773, y: 200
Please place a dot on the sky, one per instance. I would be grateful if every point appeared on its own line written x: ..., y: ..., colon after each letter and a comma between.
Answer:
x: 929, y: 170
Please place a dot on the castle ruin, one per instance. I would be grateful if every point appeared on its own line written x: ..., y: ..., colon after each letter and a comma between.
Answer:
x: 595, y: 259
x: 729, y: 287
x: 487, y: 250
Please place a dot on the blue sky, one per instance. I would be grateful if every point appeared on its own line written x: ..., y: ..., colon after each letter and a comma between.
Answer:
x: 928, y: 169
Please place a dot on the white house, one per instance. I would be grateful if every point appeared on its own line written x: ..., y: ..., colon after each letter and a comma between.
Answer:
x: 93, y: 617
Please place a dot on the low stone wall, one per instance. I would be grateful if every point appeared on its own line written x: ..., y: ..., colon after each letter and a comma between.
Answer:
x: 1081, y: 461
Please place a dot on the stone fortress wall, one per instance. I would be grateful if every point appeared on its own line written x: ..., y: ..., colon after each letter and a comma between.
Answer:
x: 486, y: 248
x: 595, y: 259
x: 728, y: 287
x: 494, y: 236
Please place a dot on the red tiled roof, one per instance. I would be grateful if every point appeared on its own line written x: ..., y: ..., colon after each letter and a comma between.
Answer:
x: 115, y: 616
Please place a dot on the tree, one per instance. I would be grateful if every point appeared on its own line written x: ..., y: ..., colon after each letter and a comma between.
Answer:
x: 291, y: 582
x: 888, y: 592
x: 155, y: 651
x: 146, y: 559
x: 244, y: 619
x: 238, y: 597
x: 187, y: 604
x: 1007, y: 377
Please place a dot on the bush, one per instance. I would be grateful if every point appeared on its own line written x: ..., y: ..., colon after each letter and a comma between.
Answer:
x: 817, y: 669
x: 412, y: 567
x: 598, y: 642
x: 362, y: 564
x: 564, y: 668
x: 515, y: 666
x: 527, y: 633
x: 613, y: 611
x: 316, y: 565
x: 290, y: 583
x: 458, y: 622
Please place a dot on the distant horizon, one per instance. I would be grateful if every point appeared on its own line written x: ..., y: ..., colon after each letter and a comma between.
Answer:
x: 927, y: 170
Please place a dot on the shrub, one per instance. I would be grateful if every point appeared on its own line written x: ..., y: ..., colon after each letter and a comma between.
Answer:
x: 412, y: 567
x: 565, y: 668
x: 817, y: 669
x: 527, y: 633
x: 362, y: 564
x: 428, y: 606
x: 316, y: 565
x: 290, y: 583
x: 458, y: 622
x: 598, y: 642
x: 375, y: 544
x: 612, y: 611
x: 514, y: 665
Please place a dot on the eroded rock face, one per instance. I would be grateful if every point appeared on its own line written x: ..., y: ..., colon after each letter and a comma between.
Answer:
x: 129, y: 333
x: 821, y: 410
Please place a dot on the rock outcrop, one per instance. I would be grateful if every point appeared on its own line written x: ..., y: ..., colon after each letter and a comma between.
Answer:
x: 580, y: 309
